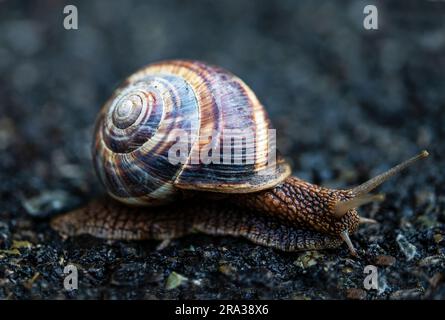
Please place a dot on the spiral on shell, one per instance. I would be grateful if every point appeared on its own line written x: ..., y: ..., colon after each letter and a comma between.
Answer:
x: 138, y: 127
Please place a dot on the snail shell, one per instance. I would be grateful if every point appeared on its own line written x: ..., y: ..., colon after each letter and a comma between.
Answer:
x: 138, y: 126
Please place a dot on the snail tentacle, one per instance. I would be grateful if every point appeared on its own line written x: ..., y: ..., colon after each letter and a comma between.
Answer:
x: 363, y: 220
x: 345, y: 236
x: 373, y: 183
x: 361, y: 194
x: 342, y: 207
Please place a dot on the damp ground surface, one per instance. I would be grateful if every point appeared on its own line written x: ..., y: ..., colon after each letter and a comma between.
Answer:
x: 347, y: 104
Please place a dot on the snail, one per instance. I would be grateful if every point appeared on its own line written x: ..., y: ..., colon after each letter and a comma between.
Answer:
x: 153, y: 197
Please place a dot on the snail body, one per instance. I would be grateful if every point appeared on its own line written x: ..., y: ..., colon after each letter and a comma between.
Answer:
x: 136, y: 138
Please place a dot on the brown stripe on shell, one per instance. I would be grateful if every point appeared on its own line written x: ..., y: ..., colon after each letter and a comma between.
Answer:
x: 225, y: 102
x: 142, y: 175
x: 227, y: 178
x: 198, y: 76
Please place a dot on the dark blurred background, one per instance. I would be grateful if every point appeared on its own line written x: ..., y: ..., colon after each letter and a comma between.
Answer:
x: 347, y: 103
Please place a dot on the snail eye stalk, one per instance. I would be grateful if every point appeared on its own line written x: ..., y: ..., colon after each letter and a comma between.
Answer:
x: 373, y: 183
x: 361, y: 192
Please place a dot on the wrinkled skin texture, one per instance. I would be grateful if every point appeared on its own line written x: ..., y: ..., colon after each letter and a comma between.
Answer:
x: 293, y: 216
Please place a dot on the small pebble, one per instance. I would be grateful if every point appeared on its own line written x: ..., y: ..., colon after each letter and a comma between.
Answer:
x: 347, y: 270
x: 16, y: 244
x: 431, y: 260
x: 356, y: 294
x: 438, y: 237
x: 14, y: 252
x: 307, y: 259
x: 408, y: 249
x: 226, y: 269
x: 197, y: 282
x: 414, y: 293
x: 385, y: 260
x: 174, y: 280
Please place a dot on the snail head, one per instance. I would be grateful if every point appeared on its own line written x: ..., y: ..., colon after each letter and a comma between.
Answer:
x: 347, y: 201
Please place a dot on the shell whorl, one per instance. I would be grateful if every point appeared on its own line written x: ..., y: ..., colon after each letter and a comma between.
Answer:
x: 138, y: 126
